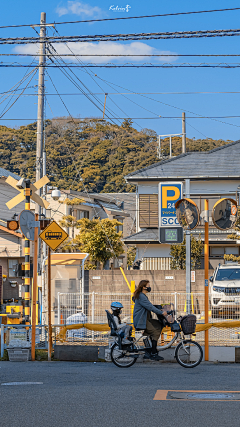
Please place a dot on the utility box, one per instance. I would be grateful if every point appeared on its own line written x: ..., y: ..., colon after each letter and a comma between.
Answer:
x: 14, y: 313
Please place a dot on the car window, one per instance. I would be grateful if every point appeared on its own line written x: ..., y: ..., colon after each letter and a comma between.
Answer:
x: 228, y: 274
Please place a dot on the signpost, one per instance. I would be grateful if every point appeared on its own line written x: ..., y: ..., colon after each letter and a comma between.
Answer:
x: 170, y: 231
x: 53, y: 235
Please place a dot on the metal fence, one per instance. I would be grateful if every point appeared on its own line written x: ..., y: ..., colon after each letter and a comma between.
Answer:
x: 11, y: 331
x: 75, y: 308
x: 90, y: 308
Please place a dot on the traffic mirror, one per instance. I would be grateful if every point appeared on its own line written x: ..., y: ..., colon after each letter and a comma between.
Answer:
x: 187, y: 213
x: 224, y: 214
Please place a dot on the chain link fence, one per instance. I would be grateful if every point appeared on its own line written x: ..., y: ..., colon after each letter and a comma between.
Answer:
x: 77, y: 308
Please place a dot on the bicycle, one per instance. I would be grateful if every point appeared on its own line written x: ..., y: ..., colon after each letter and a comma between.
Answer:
x: 188, y: 353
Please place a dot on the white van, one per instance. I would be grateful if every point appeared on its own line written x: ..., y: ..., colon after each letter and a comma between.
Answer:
x: 224, y: 290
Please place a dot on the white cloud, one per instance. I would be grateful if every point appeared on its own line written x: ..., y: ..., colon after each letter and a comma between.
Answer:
x: 104, y: 48
x: 79, y: 8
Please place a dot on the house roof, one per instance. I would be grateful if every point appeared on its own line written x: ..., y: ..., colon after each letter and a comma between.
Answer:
x: 144, y: 236
x: 220, y: 163
x: 6, y: 173
x: 151, y: 235
x: 10, y: 231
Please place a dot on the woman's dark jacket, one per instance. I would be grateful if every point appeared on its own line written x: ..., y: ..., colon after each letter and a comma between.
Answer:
x: 141, y: 308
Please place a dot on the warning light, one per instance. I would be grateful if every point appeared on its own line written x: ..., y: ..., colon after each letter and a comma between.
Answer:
x: 12, y: 225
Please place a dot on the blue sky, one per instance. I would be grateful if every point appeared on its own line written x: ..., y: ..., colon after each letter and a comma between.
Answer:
x: 170, y: 83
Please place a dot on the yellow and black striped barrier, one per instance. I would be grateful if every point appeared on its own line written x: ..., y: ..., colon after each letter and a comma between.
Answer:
x: 27, y: 260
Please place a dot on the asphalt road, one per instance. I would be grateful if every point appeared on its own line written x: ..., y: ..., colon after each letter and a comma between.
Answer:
x: 100, y: 394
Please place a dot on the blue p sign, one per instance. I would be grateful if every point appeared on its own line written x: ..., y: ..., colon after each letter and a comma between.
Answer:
x: 169, y: 194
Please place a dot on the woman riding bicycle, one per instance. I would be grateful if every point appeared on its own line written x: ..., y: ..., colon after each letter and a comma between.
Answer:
x: 142, y: 317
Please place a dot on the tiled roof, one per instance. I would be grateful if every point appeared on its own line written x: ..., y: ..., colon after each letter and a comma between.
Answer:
x: 6, y: 173
x: 147, y: 235
x: 222, y: 162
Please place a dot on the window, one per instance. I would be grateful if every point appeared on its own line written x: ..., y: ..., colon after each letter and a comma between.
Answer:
x: 58, y: 283
x: 82, y: 214
x: 12, y: 267
x: 231, y: 250
x: 148, y: 210
x: 218, y: 251
x: 228, y: 274
x: 119, y: 227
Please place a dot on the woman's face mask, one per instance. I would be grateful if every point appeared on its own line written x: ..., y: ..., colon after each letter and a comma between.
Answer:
x: 148, y: 288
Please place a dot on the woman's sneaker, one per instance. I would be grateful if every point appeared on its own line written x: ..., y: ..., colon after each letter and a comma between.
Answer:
x: 155, y: 356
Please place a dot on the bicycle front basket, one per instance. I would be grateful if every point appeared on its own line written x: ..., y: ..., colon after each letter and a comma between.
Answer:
x: 188, y: 324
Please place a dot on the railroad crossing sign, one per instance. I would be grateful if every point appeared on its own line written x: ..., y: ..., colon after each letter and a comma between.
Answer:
x: 33, y: 187
x: 53, y: 235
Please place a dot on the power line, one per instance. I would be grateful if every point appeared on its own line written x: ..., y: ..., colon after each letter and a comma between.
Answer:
x: 126, y: 55
x: 172, y: 106
x: 123, y: 18
x: 130, y: 118
x: 77, y: 85
x: 124, y: 37
x: 149, y: 65
x: 124, y: 93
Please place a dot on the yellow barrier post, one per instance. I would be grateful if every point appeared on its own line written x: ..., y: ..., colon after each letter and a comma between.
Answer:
x: 126, y: 280
x: 206, y: 262
x: 132, y: 303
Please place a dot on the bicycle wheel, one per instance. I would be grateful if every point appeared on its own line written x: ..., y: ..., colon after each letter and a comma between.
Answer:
x: 120, y: 358
x: 189, y: 353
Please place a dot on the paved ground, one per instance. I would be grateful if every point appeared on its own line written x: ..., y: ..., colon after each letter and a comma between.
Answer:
x: 100, y: 394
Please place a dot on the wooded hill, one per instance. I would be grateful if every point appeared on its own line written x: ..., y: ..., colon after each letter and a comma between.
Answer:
x: 101, y: 151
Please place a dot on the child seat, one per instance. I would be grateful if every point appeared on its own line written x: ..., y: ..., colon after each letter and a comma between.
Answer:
x: 112, y: 324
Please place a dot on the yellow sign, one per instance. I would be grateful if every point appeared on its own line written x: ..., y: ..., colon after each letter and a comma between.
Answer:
x: 53, y: 235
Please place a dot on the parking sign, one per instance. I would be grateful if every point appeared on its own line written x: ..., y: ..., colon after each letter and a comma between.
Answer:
x: 169, y: 194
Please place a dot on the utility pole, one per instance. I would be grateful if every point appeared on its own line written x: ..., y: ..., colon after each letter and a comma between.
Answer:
x: 206, y: 266
x: 40, y: 114
x: 183, y: 134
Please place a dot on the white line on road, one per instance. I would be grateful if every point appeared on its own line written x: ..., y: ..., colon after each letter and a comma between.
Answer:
x: 21, y: 383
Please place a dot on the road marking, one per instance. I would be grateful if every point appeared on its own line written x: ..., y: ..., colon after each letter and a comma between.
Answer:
x: 199, y: 395
x: 21, y: 383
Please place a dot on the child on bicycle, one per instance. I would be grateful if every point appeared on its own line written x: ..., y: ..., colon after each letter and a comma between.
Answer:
x: 121, y: 327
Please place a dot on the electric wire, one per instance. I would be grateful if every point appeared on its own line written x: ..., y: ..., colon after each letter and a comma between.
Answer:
x: 5, y: 110
x: 124, y: 37
x: 92, y: 76
x: 77, y: 85
x: 123, y: 18
x: 169, y: 105
x: 89, y: 73
x: 110, y: 65
x: 124, y: 93
x: 119, y: 56
x: 78, y: 172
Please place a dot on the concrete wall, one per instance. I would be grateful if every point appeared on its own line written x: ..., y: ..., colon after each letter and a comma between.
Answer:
x: 160, y: 280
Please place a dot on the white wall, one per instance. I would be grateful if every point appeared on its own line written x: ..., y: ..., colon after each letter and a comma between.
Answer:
x: 10, y: 245
x: 7, y: 193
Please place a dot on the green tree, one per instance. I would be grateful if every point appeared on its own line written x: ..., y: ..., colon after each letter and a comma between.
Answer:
x: 131, y: 255
x: 178, y: 254
x: 99, y: 238
x: 102, y: 152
